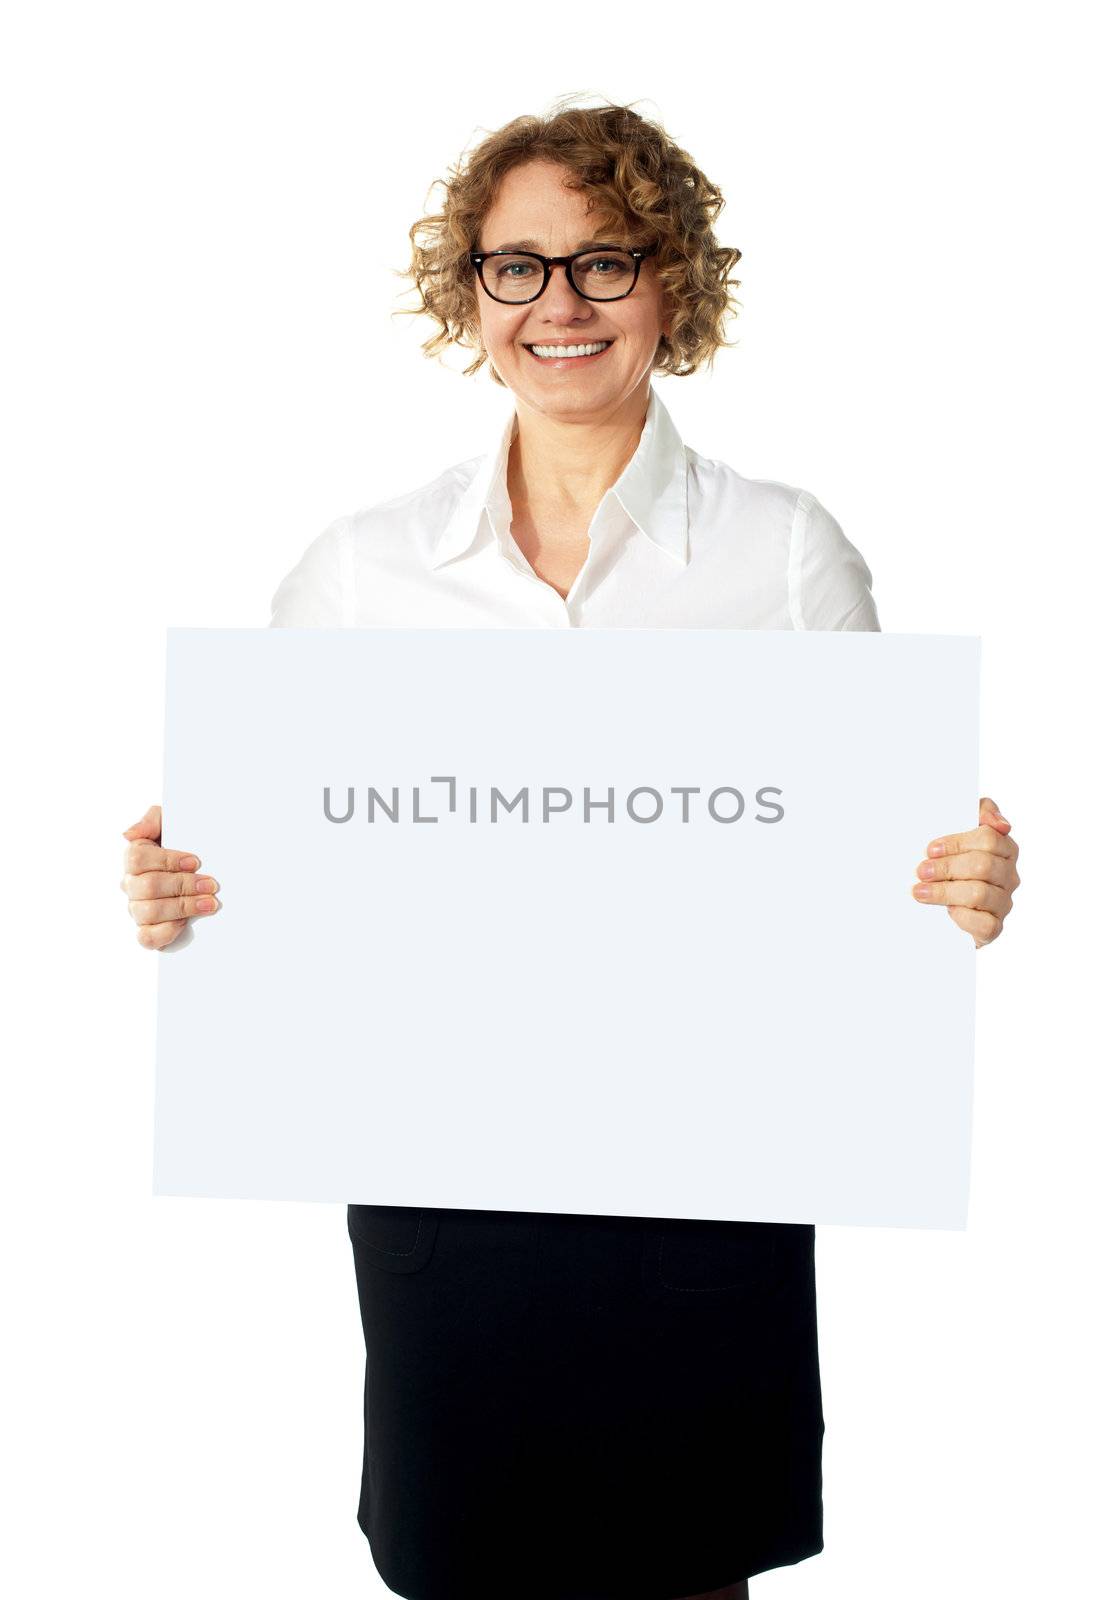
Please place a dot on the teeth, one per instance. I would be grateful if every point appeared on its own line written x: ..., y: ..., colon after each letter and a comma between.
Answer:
x: 556, y: 350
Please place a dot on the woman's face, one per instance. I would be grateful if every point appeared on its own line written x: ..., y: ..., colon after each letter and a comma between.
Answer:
x: 533, y: 204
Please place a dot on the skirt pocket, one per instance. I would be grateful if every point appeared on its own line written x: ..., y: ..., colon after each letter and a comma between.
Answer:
x: 395, y: 1238
x: 705, y: 1262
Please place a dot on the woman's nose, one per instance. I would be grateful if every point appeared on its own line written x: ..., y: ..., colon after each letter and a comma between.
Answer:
x: 559, y: 295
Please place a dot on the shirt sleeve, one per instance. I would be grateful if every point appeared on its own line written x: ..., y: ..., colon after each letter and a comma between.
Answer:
x: 318, y: 591
x: 828, y: 580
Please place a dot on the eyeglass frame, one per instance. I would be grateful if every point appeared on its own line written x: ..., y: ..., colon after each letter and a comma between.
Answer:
x: 477, y: 259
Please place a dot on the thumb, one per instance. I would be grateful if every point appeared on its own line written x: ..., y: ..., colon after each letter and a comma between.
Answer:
x: 989, y: 812
x: 147, y: 828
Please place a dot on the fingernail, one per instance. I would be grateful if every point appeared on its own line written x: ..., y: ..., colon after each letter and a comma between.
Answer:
x: 205, y: 885
x: 926, y: 870
x: 189, y: 863
x: 206, y: 902
x: 923, y: 891
x: 936, y: 849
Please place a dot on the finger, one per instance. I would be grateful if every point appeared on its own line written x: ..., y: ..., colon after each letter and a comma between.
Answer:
x: 974, y: 895
x: 176, y: 909
x: 144, y: 856
x: 981, y: 925
x: 167, y: 885
x: 991, y: 820
x: 986, y: 804
x: 990, y: 814
x: 977, y: 864
x: 155, y: 935
x: 980, y: 838
x: 1009, y: 842
x: 147, y: 828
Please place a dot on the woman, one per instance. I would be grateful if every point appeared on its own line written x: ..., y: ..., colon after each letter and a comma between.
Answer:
x: 558, y: 1405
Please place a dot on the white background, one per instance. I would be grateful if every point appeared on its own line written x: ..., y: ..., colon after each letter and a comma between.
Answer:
x: 204, y: 205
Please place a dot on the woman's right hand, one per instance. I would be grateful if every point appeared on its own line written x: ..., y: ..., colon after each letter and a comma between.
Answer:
x: 163, y: 891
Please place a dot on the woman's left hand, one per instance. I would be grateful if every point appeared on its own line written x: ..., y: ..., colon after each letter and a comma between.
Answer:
x: 973, y: 874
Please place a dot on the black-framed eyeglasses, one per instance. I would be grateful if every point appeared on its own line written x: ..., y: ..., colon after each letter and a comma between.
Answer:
x: 602, y: 272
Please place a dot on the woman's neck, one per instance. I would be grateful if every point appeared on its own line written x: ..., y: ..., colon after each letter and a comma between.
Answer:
x: 559, y: 469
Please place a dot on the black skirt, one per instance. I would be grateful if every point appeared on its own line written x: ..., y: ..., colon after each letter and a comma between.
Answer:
x: 570, y: 1407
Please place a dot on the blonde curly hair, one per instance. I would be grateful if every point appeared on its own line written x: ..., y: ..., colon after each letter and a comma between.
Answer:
x: 641, y: 183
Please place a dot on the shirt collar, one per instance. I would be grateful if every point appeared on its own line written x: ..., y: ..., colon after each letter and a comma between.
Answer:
x: 652, y: 488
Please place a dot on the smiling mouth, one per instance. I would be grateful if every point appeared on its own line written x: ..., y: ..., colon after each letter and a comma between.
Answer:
x: 580, y: 351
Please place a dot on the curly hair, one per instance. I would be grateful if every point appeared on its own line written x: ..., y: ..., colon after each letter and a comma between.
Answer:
x: 641, y: 183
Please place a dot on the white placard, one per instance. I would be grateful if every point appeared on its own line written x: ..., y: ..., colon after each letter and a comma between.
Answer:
x: 716, y: 998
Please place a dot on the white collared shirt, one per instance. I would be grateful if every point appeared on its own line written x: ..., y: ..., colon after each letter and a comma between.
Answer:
x: 678, y: 541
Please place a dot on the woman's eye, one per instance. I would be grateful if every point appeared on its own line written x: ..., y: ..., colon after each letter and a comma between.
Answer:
x: 603, y: 266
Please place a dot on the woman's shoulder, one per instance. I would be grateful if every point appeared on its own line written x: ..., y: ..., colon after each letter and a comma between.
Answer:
x: 827, y: 578
x: 320, y: 589
x: 428, y: 498
x: 717, y: 480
